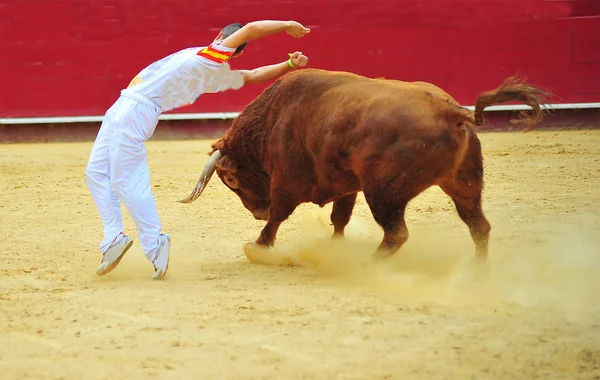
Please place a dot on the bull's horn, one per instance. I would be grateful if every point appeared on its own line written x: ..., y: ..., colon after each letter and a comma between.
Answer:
x: 207, y: 172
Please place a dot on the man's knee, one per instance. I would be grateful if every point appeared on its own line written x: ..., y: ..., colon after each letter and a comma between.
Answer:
x: 91, y: 174
x: 94, y: 175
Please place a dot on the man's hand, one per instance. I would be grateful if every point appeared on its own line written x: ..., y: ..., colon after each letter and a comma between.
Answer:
x: 265, y: 73
x: 295, y: 29
x: 299, y: 59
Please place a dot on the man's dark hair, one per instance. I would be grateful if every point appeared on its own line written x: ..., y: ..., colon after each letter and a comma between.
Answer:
x: 229, y: 30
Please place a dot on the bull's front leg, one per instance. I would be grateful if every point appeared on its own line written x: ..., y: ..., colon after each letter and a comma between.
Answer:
x: 282, y: 206
x: 268, y: 234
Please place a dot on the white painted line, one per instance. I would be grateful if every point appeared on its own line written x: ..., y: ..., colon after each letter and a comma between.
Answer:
x: 199, y: 116
x: 98, y: 119
x: 232, y: 115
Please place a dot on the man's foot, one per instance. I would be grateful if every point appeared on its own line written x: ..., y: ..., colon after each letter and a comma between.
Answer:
x: 113, y: 255
x: 161, y: 262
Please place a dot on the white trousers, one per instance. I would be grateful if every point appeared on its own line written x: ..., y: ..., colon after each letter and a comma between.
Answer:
x: 117, y: 171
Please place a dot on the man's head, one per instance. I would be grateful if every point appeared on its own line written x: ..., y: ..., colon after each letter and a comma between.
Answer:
x: 228, y: 31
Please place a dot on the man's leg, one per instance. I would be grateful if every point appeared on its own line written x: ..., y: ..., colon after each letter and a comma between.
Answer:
x: 114, y: 244
x: 131, y: 179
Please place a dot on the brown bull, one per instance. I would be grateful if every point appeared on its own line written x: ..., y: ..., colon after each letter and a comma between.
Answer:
x: 320, y: 136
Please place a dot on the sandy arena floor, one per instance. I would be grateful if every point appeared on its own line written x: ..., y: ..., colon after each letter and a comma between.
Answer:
x: 218, y: 316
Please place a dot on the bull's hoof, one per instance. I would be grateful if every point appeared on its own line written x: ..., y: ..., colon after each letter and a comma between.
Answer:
x: 254, y: 252
x: 265, y: 255
x: 481, y: 265
x: 479, y: 269
x: 382, y: 255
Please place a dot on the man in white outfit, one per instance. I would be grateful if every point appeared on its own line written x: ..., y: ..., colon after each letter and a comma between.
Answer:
x: 117, y: 169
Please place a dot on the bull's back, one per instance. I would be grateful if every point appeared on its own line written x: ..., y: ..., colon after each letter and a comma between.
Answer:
x: 351, y: 111
x: 316, y: 103
x: 353, y: 129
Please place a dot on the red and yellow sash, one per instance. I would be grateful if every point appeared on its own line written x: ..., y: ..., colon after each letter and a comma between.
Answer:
x: 215, y: 55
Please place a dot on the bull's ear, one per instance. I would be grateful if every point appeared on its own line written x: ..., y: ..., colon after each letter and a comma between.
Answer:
x: 228, y: 164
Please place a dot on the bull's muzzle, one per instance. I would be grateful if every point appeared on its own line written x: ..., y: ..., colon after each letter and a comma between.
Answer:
x: 261, y: 214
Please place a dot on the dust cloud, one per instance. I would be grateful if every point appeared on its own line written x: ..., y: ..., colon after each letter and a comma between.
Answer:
x: 557, y: 272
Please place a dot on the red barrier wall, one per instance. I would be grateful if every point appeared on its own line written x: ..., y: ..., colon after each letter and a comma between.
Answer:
x: 72, y: 57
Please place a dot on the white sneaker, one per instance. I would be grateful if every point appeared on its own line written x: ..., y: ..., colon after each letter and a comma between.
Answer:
x: 161, y: 262
x: 114, y: 254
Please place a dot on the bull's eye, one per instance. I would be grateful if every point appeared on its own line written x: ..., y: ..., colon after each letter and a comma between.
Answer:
x: 231, y: 182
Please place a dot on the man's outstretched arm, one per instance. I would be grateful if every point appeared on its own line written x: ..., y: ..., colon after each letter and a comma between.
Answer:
x: 259, y: 29
x: 265, y: 73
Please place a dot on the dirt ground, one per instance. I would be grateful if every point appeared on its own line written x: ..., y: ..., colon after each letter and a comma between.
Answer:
x: 218, y: 316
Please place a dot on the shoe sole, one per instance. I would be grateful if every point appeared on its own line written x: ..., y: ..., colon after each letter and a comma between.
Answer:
x: 167, y: 268
x: 112, y: 266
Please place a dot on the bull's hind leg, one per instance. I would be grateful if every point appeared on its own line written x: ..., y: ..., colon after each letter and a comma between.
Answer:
x: 341, y: 213
x: 388, y: 212
x: 465, y: 189
x: 467, y: 199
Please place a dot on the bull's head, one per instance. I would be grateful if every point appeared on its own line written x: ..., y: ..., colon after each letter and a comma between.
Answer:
x: 251, y: 184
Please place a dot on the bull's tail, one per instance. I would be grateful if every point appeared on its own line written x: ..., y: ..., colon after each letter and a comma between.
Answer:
x: 515, y: 88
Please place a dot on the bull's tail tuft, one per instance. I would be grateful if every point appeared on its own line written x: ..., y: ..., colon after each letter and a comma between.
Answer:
x: 515, y: 89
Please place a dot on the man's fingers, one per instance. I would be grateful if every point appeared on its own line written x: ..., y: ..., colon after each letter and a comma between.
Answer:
x: 299, y: 31
x: 300, y: 60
